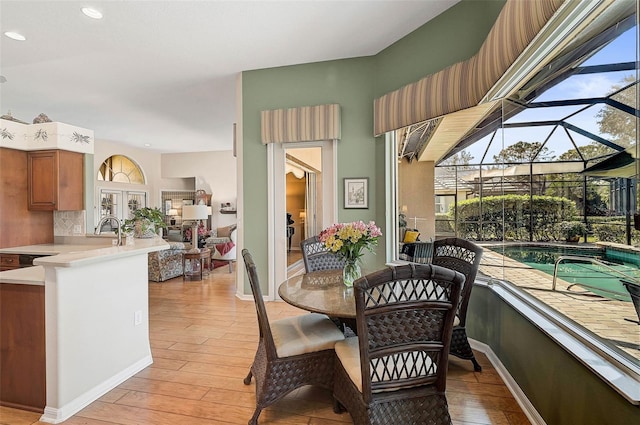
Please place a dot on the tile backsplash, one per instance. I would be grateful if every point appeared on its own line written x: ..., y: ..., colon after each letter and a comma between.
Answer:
x: 69, y: 223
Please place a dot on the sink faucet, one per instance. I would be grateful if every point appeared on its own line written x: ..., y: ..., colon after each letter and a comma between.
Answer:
x: 103, y: 220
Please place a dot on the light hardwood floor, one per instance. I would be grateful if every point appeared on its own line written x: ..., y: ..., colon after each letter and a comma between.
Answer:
x: 203, y: 340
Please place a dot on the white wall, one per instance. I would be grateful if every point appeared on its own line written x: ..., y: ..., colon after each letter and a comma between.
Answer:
x: 215, y: 173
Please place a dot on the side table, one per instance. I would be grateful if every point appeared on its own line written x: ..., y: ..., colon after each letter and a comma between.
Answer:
x: 201, y: 259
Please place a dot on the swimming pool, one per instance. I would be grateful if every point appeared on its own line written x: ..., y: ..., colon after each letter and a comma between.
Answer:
x: 543, y: 258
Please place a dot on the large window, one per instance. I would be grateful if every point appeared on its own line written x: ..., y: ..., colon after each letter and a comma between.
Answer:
x: 545, y: 177
x: 547, y: 184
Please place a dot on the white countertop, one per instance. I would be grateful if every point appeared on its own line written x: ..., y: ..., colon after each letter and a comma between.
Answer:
x: 25, y: 276
x: 51, y: 248
x: 72, y: 255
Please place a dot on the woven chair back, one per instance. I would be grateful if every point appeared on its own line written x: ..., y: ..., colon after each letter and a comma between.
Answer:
x: 463, y: 256
x: 263, y: 320
x: 317, y: 257
x: 404, y: 317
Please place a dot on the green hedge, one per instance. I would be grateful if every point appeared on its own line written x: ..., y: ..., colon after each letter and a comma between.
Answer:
x: 615, y: 219
x: 444, y: 223
x: 521, y: 215
x: 610, y: 232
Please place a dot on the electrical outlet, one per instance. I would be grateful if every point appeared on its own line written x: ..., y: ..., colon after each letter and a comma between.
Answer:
x: 77, y: 229
x: 137, y: 318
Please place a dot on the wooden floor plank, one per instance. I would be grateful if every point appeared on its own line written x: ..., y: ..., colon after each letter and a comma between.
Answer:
x: 203, y: 340
x: 174, y: 389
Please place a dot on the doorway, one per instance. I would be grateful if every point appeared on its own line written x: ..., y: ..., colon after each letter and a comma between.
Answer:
x: 303, y: 168
x: 301, y: 183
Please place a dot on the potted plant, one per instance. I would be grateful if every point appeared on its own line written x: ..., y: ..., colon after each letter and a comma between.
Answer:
x: 144, y: 223
x: 572, y: 230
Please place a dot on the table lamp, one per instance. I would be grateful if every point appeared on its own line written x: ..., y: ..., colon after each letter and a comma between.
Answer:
x: 195, y: 213
x: 172, y: 213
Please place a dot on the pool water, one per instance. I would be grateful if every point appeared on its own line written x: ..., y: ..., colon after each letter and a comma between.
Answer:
x: 543, y: 258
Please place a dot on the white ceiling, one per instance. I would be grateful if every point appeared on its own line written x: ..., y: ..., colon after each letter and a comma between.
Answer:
x: 163, y: 72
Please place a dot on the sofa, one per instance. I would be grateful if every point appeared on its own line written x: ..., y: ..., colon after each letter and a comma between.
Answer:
x: 166, y: 264
x: 223, y: 245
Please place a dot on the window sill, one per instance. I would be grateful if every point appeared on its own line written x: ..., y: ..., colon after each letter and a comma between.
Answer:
x: 619, y: 372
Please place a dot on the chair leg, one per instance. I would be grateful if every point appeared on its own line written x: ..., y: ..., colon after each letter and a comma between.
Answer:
x: 230, y: 267
x: 460, y: 347
x: 247, y: 380
x: 476, y: 365
x: 254, y: 418
x: 337, y: 406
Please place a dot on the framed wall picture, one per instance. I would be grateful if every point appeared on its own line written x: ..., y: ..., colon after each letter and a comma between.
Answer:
x: 356, y: 192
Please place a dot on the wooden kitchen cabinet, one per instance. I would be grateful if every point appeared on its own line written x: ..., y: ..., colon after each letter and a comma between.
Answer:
x: 9, y: 262
x: 22, y: 347
x: 55, y: 180
x: 19, y: 226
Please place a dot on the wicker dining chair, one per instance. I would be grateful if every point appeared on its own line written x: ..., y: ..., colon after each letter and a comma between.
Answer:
x: 463, y: 256
x: 317, y: 257
x: 395, y: 370
x: 292, y: 352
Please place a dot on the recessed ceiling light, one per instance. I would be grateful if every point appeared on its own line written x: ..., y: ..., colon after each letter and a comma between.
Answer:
x: 147, y: 144
x: 92, y: 13
x: 15, y: 36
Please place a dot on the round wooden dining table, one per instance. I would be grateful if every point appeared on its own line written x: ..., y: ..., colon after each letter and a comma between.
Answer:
x: 320, y: 292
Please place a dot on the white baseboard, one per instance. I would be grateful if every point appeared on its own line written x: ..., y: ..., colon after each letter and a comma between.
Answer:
x: 56, y: 415
x: 515, y: 390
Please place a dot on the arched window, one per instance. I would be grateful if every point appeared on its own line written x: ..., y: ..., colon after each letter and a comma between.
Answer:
x: 112, y: 200
x: 120, y: 169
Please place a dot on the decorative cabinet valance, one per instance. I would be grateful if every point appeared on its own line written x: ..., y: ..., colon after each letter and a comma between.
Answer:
x: 463, y: 84
x: 303, y: 124
x: 48, y: 135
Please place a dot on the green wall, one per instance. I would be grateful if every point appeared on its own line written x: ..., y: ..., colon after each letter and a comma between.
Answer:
x: 453, y: 36
x: 346, y: 82
x: 354, y: 84
x: 562, y: 389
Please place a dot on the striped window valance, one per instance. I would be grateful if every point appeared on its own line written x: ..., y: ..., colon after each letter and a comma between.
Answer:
x: 463, y: 84
x: 303, y: 124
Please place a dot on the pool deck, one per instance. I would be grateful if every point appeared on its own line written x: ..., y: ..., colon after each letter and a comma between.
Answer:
x: 602, y: 316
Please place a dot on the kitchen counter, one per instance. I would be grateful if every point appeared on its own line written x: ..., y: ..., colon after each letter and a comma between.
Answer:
x: 52, y: 248
x: 24, y: 276
x: 73, y: 255
x: 92, y: 299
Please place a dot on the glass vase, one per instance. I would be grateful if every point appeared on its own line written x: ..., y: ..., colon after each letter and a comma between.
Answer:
x: 351, y: 272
